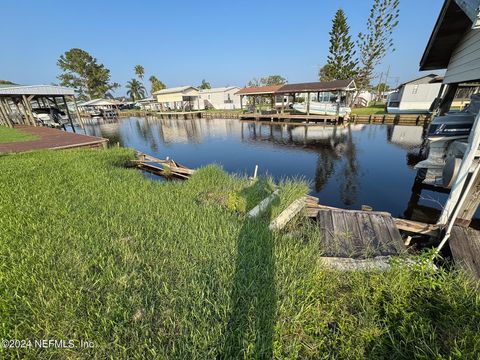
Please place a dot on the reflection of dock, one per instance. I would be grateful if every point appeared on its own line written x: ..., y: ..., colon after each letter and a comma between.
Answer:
x: 178, y: 115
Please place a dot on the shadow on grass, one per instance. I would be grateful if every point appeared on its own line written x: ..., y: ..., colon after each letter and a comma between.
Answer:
x: 253, y: 298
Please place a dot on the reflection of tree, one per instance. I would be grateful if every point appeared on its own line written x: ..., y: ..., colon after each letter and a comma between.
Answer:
x: 349, y: 173
x: 145, y: 130
x: 325, y: 169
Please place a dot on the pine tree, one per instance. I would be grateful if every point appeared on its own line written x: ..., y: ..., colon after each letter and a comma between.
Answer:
x: 341, y: 62
x: 378, y: 40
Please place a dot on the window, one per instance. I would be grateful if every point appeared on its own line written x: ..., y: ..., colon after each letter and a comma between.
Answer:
x: 415, y: 89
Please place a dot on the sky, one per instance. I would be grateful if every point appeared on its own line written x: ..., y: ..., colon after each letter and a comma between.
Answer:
x: 182, y: 42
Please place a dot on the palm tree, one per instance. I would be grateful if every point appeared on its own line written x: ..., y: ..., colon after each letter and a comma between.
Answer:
x: 156, y: 84
x: 205, y: 85
x: 136, y: 90
x: 139, y: 71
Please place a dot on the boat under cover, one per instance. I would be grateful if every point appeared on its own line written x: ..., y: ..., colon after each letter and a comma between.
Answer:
x: 322, y: 108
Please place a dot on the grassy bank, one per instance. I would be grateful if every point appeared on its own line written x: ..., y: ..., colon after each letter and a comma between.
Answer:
x: 372, y: 109
x: 143, y: 269
x: 13, y: 135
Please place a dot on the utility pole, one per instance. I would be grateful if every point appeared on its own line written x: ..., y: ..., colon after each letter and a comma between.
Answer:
x: 378, y: 86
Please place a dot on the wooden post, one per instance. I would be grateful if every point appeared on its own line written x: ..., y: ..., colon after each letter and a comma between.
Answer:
x: 68, y: 113
x: 448, y: 99
x: 241, y: 102
x: 254, y: 104
x: 28, y: 110
x: 78, y: 113
x: 469, y: 207
x: 308, y: 103
x: 4, y: 112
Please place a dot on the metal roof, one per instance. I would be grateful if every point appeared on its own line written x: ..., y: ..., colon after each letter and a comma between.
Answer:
x: 431, y: 78
x: 46, y: 90
x: 318, y: 86
x: 100, y: 102
x: 259, y: 90
x: 174, y: 90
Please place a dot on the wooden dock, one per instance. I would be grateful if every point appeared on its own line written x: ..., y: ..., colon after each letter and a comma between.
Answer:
x: 359, y: 234
x: 392, y: 119
x: 355, y: 235
x: 49, y: 138
x: 377, y: 119
x: 465, y: 246
x: 289, y: 117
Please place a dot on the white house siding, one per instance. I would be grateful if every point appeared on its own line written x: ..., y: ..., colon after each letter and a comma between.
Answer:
x: 465, y: 61
x: 221, y: 98
x: 418, y: 96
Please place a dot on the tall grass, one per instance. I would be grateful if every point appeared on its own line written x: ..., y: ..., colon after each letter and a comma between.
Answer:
x: 92, y: 251
x: 13, y: 135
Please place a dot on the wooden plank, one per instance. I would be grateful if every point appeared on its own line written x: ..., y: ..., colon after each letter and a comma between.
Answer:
x: 357, y: 241
x: 382, y: 239
x: 262, y: 206
x: 462, y: 252
x: 417, y: 227
x: 341, y: 235
x: 347, y: 264
x: 325, y: 223
x: 370, y: 242
x: 288, y: 214
x: 396, y: 245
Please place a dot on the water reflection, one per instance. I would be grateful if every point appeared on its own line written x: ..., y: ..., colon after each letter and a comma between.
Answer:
x: 348, y: 166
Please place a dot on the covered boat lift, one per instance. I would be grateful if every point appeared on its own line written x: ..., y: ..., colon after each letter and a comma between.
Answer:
x: 344, y: 88
x: 19, y: 102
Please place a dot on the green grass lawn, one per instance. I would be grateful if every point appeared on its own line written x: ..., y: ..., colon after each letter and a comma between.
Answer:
x: 372, y: 109
x: 13, y: 135
x: 92, y: 251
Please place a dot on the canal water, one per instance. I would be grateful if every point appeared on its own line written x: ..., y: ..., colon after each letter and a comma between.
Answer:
x: 346, y: 166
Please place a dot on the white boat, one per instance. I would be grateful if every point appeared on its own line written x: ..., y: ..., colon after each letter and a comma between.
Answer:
x: 447, y: 138
x: 322, y: 108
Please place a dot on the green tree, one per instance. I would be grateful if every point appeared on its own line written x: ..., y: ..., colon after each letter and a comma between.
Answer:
x: 255, y: 82
x: 136, y: 90
x: 341, y: 62
x: 81, y: 71
x: 139, y: 71
x: 273, y: 80
x: 378, y: 40
x: 267, y: 81
x: 325, y: 73
x: 382, y: 87
x: 7, y: 82
x: 204, y: 85
x: 156, y: 84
